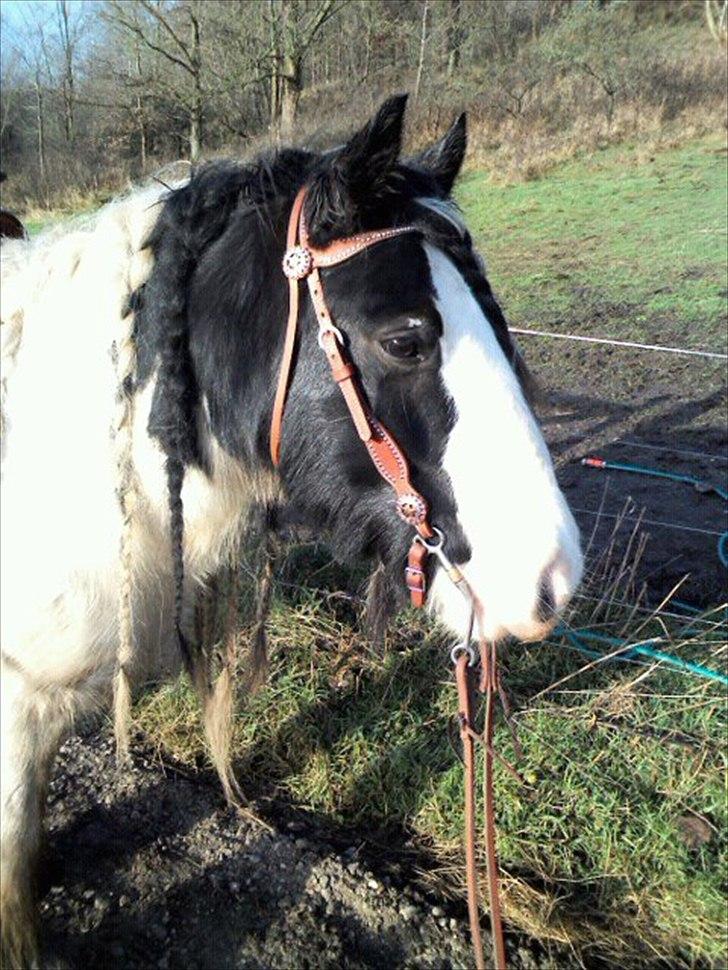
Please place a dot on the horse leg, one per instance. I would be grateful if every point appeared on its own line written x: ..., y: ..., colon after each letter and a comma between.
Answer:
x: 34, y: 722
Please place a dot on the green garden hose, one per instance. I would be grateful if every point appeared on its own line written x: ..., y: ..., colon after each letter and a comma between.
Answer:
x: 705, y: 488
x: 647, y: 649
x: 644, y: 649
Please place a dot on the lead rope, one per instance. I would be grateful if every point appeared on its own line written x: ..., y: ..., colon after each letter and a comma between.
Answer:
x: 490, y: 673
x: 465, y: 680
x: 462, y: 678
x: 464, y: 658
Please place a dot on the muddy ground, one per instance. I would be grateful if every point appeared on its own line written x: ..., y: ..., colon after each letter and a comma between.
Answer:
x: 668, y: 413
x: 148, y: 869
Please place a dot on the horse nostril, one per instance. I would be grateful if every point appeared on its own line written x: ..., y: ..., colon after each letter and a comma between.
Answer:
x: 546, y: 602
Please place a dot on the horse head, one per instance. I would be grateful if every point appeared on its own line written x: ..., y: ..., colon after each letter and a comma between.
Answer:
x: 428, y: 340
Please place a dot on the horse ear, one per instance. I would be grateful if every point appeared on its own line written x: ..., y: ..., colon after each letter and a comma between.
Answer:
x: 444, y: 159
x: 357, y: 177
x: 370, y: 154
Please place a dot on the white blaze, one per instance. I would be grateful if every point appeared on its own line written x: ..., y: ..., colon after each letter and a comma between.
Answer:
x: 514, y: 516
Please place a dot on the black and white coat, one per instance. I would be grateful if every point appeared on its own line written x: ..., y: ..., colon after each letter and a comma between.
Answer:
x: 144, y: 345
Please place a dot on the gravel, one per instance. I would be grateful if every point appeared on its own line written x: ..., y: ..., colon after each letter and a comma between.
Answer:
x: 146, y: 867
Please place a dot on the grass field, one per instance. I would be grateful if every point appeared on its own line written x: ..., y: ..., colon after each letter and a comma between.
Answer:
x: 641, y: 235
x: 616, y: 843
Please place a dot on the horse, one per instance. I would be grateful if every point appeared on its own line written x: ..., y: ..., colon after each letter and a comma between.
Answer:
x: 10, y: 226
x: 142, y: 351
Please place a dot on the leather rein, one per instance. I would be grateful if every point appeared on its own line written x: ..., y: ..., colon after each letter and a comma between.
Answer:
x: 304, y: 261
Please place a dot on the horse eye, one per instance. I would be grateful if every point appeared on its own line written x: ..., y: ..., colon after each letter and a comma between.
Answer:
x: 405, y: 347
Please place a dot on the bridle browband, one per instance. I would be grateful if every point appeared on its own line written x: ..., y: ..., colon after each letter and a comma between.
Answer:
x: 303, y: 261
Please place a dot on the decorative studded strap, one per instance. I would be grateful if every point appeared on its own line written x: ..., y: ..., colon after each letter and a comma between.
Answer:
x: 302, y: 261
x: 385, y: 453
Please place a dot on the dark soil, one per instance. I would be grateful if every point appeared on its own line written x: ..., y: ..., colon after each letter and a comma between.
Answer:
x: 666, y: 413
x: 147, y: 867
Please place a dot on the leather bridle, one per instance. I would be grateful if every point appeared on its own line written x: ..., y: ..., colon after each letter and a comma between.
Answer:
x: 302, y: 261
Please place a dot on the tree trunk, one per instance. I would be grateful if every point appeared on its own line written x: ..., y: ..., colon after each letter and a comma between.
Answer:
x: 453, y: 38
x: 196, y: 106
x: 40, y: 124
x: 423, y: 44
x: 291, y: 63
x: 290, y: 95
x: 195, y: 134
x: 368, y: 50
x: 142, y: 136
x: 275, y: 88
x: 141, y: 116
x: 716, y: 14
x: 68, y: 80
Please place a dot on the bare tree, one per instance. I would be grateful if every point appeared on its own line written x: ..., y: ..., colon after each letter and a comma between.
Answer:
x: 9, y: 94
x: 32, y: 50
x: 275, y: 80
x: 301, y: 24
x: 453, y: 38
x: 423, y: 44
x: 68, y: 43
x: 175, y: 40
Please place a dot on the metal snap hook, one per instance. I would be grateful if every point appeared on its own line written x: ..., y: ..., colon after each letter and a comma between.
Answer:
x: 433, y: 547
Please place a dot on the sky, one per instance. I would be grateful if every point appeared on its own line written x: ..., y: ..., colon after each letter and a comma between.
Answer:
x: 15, y: 13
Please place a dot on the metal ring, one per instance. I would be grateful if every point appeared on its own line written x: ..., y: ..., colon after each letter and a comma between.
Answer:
x: 432, y: 546
x: 464, y: 648
x: 338, y: 336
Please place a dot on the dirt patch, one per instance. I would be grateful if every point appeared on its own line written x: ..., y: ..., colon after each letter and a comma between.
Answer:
x: 147, y: 868
x: 662, y: 412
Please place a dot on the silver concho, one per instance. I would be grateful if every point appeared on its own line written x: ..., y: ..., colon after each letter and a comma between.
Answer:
x: 412, y: 508
x: 297, y: 263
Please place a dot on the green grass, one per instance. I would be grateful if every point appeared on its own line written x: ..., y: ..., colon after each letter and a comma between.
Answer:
x: 636, y: 240
x: 37, y: 220
x: 616, y: 759
x: 36, y: 225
